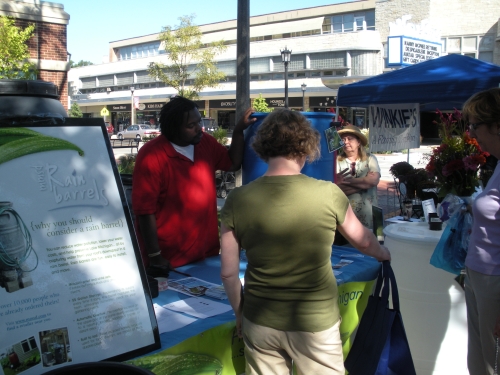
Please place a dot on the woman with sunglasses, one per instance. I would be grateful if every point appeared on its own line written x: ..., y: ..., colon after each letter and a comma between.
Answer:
x: 358, y: 175
x: 482, y: 280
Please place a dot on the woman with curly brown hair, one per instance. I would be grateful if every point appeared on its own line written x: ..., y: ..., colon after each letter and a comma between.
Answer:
x: 286, y: 222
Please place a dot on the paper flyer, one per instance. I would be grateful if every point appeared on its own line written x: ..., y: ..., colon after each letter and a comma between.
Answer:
x: 70, y: 286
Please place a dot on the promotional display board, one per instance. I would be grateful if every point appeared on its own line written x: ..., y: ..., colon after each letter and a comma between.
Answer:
x: 72, y: 284
x: 394, y: 127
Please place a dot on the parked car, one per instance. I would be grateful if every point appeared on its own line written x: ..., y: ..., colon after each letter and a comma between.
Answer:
x: 138, y: 132
x: 208, y: 125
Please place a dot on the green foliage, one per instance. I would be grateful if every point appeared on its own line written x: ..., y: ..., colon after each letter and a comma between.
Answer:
x: 189, y: 59
x: 75, y: 110
x: 80, y: 63
x: 260, y: 105
x: 220, y: 135
x: 126, y: 164
x: 14, y: 51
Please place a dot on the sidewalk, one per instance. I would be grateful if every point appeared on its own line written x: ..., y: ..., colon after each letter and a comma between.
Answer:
x: 386, y: 191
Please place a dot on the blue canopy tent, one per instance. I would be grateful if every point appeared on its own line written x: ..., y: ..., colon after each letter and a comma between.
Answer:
x: 444, y: 83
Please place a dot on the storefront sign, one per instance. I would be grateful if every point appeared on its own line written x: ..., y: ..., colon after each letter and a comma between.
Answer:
x: 222, y: 104
x: 120, y: 107
x: 394, y: 127
x: 76, y: 292
x: 153, y: 106
x: 403, y: 50
x: 280, y: 102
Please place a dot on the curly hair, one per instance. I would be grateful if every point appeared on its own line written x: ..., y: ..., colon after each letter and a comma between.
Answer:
x: 286, y: 133
x: 484, y: 106
x: 173, y: 115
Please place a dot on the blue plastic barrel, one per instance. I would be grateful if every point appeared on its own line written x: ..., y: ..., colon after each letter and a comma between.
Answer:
x: 322, y: 169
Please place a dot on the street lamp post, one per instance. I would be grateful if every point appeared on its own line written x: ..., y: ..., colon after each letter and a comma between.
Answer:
x: 303, y: 87
x: 285, y: 57
x: 132, y: 109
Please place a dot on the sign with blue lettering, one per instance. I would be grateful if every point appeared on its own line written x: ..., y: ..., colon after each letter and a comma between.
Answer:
x: 403, y: 50
x: 394, y: 127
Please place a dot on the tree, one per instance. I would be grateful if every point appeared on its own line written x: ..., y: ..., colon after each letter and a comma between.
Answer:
x: 189, y: 59
x: 260, y: 105
x: 75, y: 110
x: 80, y: 63
x: 14, y: 51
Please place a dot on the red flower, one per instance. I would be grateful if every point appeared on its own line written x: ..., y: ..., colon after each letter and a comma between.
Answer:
x: 453, y: 166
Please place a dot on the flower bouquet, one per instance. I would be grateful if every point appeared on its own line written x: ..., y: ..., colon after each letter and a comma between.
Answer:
x: 454, y: 166
x: 455, y: 163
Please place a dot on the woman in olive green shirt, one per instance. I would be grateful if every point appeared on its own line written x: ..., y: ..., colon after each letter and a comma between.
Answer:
x: 286, y: 222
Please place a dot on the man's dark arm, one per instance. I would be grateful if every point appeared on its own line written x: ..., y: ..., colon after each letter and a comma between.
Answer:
x: 238, y: 142
x: 147, y: 224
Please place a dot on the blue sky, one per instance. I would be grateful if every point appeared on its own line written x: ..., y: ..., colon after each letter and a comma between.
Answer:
x: 95, y: 23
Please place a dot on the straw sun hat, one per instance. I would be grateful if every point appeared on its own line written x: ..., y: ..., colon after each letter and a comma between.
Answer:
x: 354, y: 130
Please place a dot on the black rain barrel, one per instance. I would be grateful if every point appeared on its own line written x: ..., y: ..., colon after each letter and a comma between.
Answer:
x: 24, y: 98
x: 321, y: 169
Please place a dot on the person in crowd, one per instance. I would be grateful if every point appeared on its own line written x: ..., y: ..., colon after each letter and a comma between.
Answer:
x: 286, y: 222
x: 173, y: 188
x: 358, y: 173
x: 482, y: 280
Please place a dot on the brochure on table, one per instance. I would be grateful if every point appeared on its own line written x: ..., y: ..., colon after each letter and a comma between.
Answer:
x: 72, y: 285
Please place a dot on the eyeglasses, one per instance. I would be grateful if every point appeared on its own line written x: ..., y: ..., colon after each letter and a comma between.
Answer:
x: 476, y: 125
x: 353, y: 168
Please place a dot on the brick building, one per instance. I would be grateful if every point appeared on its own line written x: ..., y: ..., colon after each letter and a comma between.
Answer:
x: 48, y: 45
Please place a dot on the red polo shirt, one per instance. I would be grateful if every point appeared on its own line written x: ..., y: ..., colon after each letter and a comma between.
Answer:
x: 181, y: 194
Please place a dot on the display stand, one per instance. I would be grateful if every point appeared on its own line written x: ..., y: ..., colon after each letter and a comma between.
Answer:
x: 72, y: 284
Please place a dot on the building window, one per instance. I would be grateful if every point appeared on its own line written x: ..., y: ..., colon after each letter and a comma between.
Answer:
x: 363, y: 63
x: 259, y: 65
x: 298, y: 62
x: 328, y: 60
x: 227, y: 67
x: 143, y: 76
x: 343, y: 23
x: 139, y: 50
x: 29, y: 344
x: 478, y: 46
x: 88, y: 83
x: 125, y: 78
x: 359, y: 23
x: 106, y: 81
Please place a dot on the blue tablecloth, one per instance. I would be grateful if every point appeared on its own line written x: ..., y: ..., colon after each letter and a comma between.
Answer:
x: 362, y: 269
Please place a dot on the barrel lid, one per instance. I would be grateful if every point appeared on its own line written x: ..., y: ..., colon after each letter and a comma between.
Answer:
x: 28, y: 88
x: 417, y: 232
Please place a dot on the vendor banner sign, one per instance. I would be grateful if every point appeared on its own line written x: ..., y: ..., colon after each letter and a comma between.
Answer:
x: 394, y: 127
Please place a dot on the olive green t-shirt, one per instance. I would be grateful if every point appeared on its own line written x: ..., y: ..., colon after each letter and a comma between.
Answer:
x: 287, y: 225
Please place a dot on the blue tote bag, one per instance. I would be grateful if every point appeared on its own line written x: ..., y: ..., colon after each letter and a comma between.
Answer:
x: 380, y: 346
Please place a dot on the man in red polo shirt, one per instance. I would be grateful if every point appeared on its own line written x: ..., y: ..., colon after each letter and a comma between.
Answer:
x: 173, y: 191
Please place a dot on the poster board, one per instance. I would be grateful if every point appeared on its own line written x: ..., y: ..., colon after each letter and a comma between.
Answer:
x: 72, y: 284
x: 394, y: 127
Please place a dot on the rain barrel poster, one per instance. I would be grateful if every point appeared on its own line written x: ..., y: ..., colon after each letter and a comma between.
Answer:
x: 72, y: 288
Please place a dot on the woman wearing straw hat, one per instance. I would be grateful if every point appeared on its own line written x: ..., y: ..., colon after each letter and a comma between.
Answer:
x: 358, y: 173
